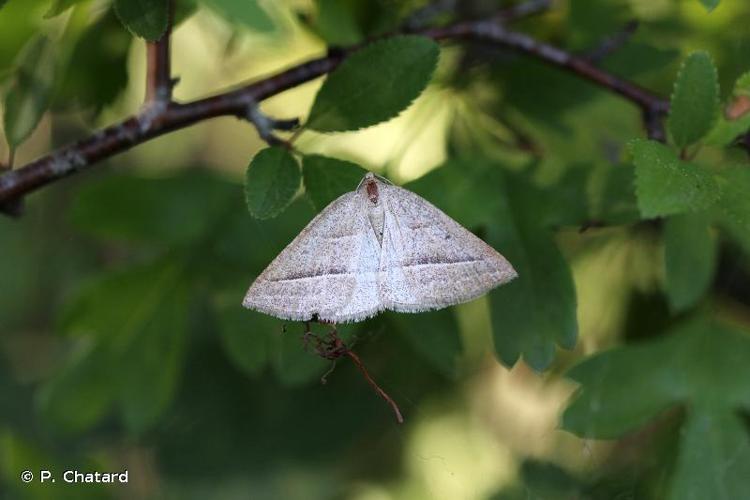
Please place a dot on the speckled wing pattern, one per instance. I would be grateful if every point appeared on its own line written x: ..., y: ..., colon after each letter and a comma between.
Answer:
x: 429, y: 261
x: 329, y: 270
x: 378, y: 247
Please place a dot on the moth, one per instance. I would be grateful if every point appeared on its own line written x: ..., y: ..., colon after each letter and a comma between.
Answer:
x: 375, y: 248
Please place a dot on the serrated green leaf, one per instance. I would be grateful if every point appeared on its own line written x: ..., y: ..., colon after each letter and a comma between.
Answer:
x: 328, y: 178
x: 245, y: 334
x: 374, y: 84
x: 271, y: 181
x: 695, y: 100
x: 685, y: 366
x: 144, y: 18
x: 28, y: 97
x: 665, y: 185
x: 690, y: 259
x: 537, y: 310
x: 60, y: 6
x: 442, y: 347
x: 710, y: 5
x: 714, y: 458
x: 248, y: 13
x: 165, y: 211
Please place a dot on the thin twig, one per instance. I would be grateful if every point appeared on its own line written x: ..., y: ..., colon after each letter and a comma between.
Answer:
x: 332, y: 349
x: 158, y: 65
x: 611, y: 43
x: 381, y: 392
x: 153, y: 121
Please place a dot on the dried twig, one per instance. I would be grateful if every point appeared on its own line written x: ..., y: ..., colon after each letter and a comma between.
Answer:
x: 333, y: 348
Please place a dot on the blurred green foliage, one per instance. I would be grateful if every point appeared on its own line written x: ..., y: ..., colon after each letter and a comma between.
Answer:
x: 624, y: 343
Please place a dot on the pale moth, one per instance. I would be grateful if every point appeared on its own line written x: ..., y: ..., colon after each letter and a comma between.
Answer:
x: 375, y: 248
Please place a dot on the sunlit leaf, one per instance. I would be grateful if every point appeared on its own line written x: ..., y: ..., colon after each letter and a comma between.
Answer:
x: 695, y: 100
x: 374, y: 84
x: 271, y: 181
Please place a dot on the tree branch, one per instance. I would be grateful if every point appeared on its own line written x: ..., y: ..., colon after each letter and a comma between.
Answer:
x: 158, y: 65
x: 154, y: 121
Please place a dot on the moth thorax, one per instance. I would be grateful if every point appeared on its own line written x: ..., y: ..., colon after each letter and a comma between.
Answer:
x: 372, y: 191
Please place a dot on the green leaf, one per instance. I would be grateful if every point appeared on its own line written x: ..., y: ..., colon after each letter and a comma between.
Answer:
x: 137, y: 320
x: 166, y: 211
x: 538, y: 309
x: 442, y: 346
x: 695, y: 100
x: 690, y: 252
x: 246, y: 335
x: 336, y: 23
x: 374, y: 84
x: 733, y: 210
x: 248, y: 13
x: 465, y: 188
x: 709, y: 5
x: 144, y: 18
x: 736, y: 117
x: 686, y: 366
x: 97, y: 73
x: 81, y: 394
x: 665, y: 185
x: 328, y: 178
x: 272, y: 179
x: 293, y: 364
x: 154, y: 359
x: 60, y: 6
x: 714, y: 458
x: 28, y: 96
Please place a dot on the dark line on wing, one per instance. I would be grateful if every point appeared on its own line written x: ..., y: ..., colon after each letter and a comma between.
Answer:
x: 424, y: 261
x: 296, y: 277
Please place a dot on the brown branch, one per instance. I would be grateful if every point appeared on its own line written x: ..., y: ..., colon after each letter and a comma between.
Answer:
x: 159, y: 66
x: 612, y: 43
x: 154, y: 121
